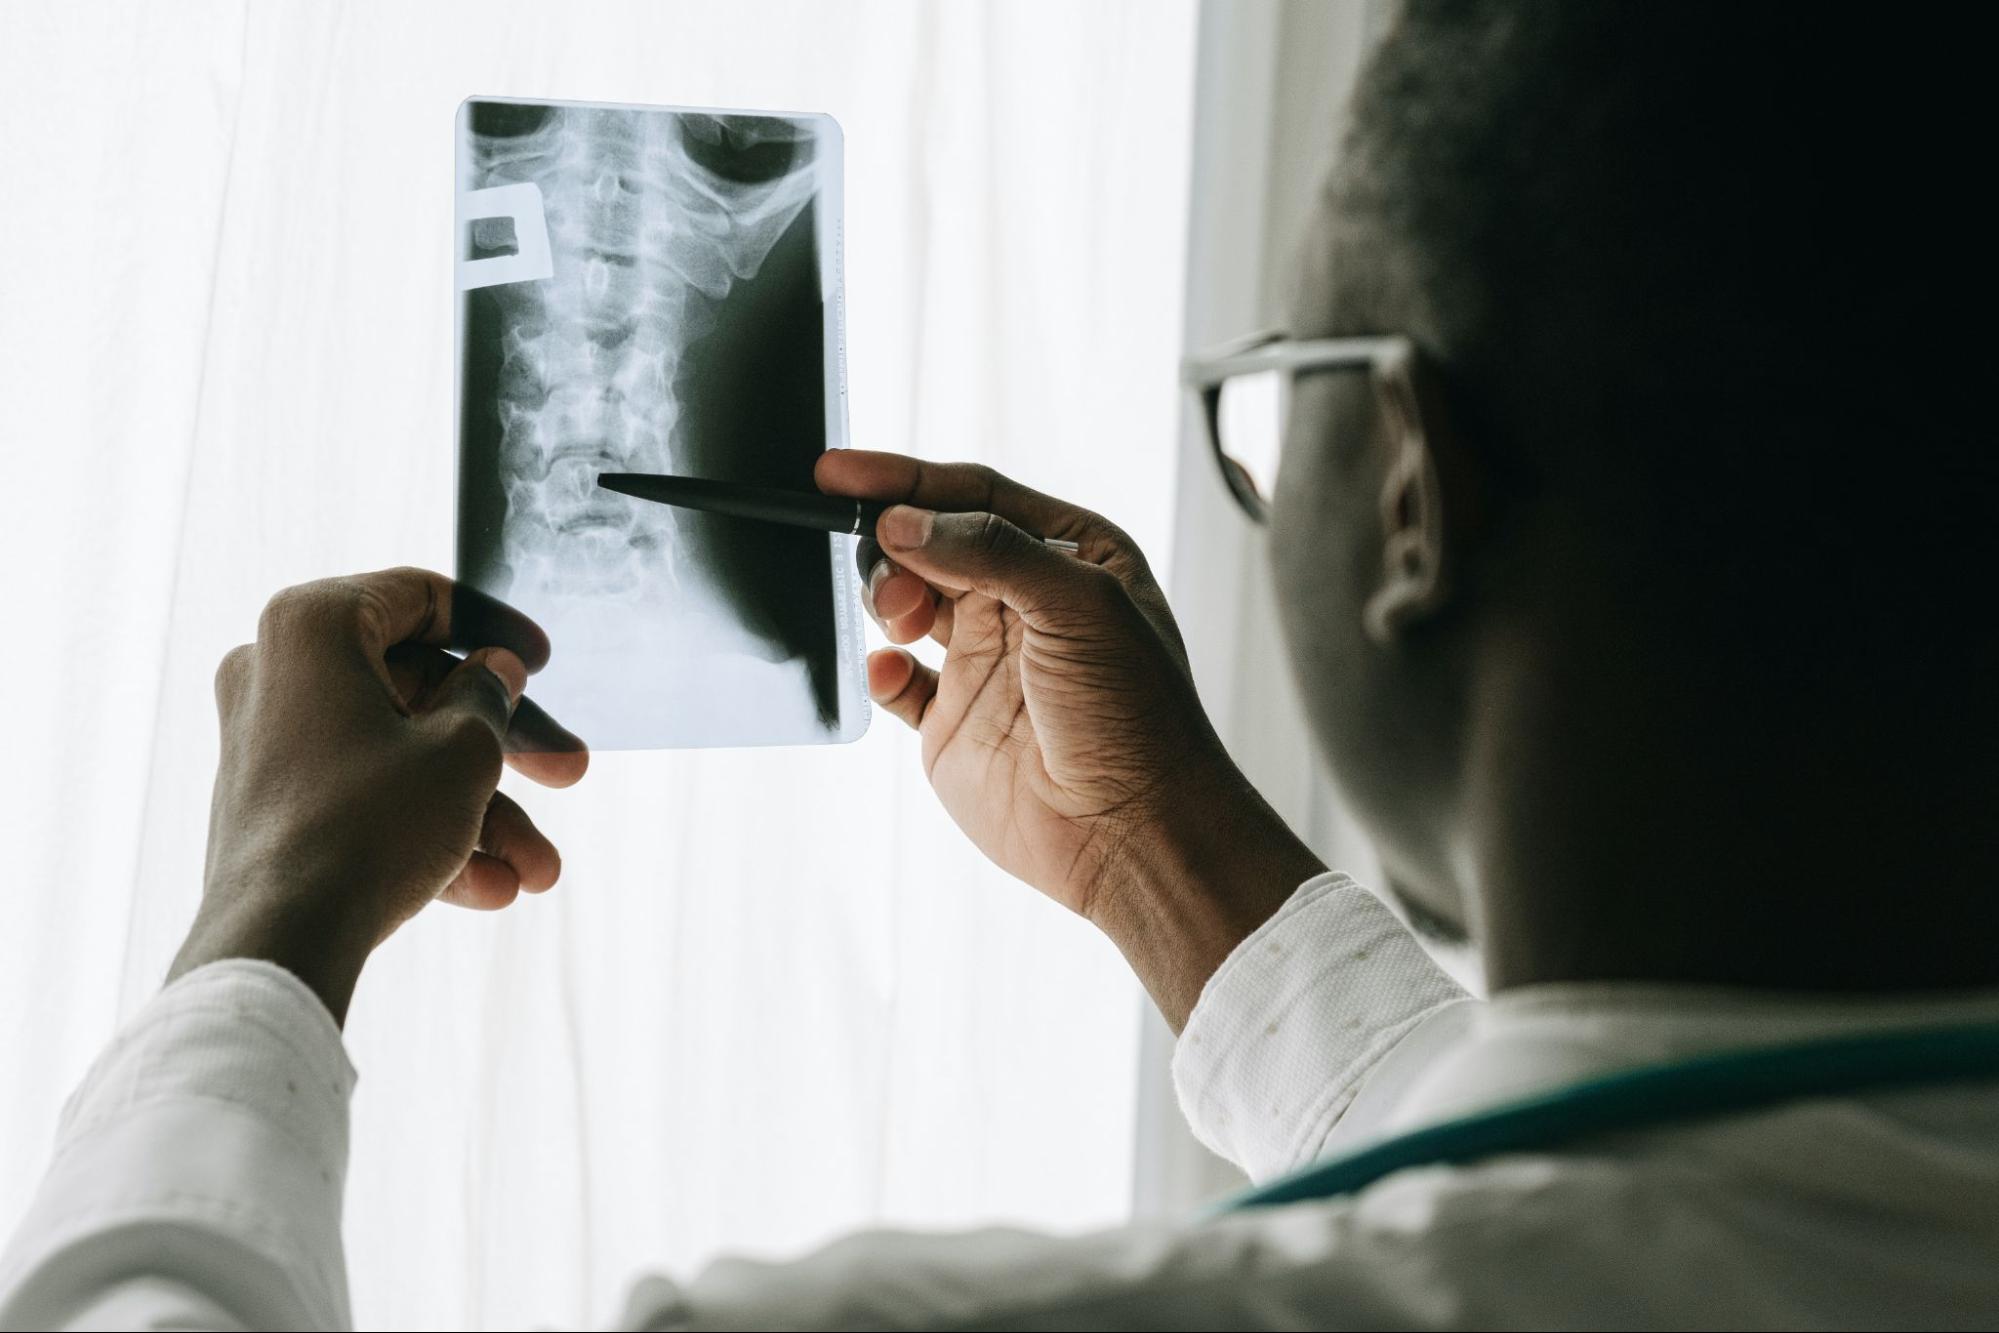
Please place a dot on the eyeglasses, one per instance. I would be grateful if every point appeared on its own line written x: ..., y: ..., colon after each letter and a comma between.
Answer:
x: 1245, y: 390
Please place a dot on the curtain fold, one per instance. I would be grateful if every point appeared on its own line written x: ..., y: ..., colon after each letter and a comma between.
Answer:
x: 775, y: 996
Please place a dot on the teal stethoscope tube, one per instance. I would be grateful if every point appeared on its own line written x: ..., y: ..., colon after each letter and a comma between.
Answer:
x: 1654, y: 1095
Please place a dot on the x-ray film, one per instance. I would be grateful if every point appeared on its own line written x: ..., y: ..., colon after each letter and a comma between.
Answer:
x: 656, y: 289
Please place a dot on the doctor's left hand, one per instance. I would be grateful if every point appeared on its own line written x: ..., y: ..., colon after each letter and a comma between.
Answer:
x: 359, y: 771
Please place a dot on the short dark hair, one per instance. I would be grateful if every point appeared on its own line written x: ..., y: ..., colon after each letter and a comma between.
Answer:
x: 1716, y: 259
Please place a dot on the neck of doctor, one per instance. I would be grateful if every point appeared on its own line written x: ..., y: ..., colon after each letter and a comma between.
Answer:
x: 1629, y: 816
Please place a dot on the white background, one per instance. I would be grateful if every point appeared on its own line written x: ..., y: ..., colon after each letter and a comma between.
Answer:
x: 775, y: 995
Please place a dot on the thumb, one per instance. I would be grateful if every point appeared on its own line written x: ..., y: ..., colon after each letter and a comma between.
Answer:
x: 985, y: 554
x: 475, y: 703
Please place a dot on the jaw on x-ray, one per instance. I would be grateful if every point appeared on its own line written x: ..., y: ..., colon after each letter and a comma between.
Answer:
x: 656, y: 290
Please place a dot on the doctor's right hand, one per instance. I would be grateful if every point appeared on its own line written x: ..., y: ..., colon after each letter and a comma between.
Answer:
x: 1062, y: 731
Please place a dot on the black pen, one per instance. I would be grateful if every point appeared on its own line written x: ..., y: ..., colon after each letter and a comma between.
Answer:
x: 799, y: 509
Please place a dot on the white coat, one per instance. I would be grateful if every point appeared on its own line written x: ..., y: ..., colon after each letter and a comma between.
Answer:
x: 199, y: 1169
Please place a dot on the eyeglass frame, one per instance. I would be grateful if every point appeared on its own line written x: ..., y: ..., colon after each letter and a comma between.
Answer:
x: 1388, y: 358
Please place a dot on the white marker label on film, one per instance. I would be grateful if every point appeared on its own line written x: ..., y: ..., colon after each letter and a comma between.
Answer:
x: 530, y: 261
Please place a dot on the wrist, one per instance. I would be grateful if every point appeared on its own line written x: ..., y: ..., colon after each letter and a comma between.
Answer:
x: 321, y: 949
x: 1192, y: 883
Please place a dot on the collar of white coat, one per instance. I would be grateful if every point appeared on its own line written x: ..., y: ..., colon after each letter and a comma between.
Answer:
x: 1535, y: 1039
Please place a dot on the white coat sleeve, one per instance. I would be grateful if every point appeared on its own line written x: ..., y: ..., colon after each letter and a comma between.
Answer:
x: 198, y: 1169
x: 1329, y: 996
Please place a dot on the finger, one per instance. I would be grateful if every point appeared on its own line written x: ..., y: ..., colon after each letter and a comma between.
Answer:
x: 868, y: 558
x: 470, y: 709
x: 901, y: 684
x: 986, y: 554
x: 486, y: 884
x: 895, y: 592
x: 947, y: 616
x: 901, y: 593
x: 509, y: 834
x: 232, y: 677
x: 887, y: 590
x: 913, y: 626
x: 537, y: 746
x: 416, y: 605
x: 542, y: 749
x: 965, y: 487
x: 416, y: 670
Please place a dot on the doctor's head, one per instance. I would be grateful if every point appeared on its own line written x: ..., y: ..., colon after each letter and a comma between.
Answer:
x: 1663, y: 533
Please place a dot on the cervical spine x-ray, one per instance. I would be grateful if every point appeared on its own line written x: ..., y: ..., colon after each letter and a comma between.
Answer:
x: 656, y: 290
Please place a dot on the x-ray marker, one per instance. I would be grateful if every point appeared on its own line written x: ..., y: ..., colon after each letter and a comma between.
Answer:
x: 532, y: 259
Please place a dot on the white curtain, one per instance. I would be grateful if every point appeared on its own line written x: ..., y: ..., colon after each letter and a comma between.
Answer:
x: 775, y: 996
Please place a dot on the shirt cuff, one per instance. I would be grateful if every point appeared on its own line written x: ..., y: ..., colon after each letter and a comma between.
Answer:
x: 1290, y: 1025
x: 209, y: 1140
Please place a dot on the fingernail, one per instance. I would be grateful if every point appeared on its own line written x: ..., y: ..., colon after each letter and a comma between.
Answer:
x: 878, y: 576
x: 905, y: 526
x: 513, y: 673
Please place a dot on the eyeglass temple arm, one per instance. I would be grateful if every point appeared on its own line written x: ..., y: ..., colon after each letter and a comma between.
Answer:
x: 1211, y: 368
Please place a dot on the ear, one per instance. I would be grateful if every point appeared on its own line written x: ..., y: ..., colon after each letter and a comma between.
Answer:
x: 1414, y: 572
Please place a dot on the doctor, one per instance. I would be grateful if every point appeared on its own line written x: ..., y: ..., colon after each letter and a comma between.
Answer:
x: 1623, y: 510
